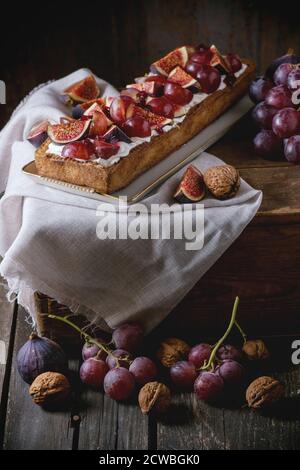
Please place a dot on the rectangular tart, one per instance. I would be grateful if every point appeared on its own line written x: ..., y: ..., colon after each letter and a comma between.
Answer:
x: 146, y: 155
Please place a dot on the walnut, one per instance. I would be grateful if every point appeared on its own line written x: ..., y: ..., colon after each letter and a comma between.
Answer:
x: 222, y: 181
x: 172, y: 350
x: 255, y: 350
x: 263, y: 392
x: 49, y: 388
x: 154, y: 396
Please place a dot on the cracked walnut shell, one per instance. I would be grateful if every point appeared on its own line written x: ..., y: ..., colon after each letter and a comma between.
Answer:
x: 154, y: 396
x: 49, y: 388
x: 172, y: 350
x: 256, y: 350
x: 263, y: 392
x: 222, y: 181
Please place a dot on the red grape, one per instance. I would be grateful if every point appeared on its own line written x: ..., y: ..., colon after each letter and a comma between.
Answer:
x: 128, y: 336
x: 279, y: 97
x: 228, y: 351
x: 293, y: 80
x: 183, y: 374
x: 92, y: 350
x: 192, y: 68
x: 286, y: 123
x: 119, y: 353
x: 281, y: 74
x: 105, y: 149
x: 209, y: 78
x: 263, y: 115
x: 208, y: 386
x: 292, y: 149
x: 93, y: 371
x: 202, y: 56
x: 199, y: 354
x: 83, y: 150
x: 267, y: 144
x: 259, y: 89
x: 176, y: 94
x: 232, y: 372
x: 234, y: 62
x: 136, y: 126
x: 143, y: 369
x: 161, y: 106
x: 119, y: 383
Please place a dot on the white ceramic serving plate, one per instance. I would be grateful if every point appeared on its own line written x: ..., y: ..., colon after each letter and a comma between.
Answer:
x: 160, y: 172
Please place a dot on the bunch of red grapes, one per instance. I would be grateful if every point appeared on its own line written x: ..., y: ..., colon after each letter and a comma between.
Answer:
x: 277, y: 98
x: 116, y: 370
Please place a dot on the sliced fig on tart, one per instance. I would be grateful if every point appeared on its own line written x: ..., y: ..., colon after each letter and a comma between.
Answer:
x: 105, y: 149
x: 82, y: 150
x: 83, y: 90
x: 167, y: 63
x: 155, y: 120
x: 38, y: 134
x: 182, y: 78
x: 222, y: 64
x: 191, y: 188
x: 70, y: 132
x: 79, y: 109
x: 115, y: 134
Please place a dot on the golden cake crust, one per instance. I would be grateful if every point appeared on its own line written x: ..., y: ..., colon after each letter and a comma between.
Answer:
x: 144, y: 156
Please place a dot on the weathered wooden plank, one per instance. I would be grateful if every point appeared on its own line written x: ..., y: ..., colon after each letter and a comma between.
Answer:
x: 107, y: 425
x: 28, y: 426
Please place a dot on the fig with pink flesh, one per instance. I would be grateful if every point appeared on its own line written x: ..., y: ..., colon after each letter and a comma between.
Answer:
x: 154, y: 120
x: 84, y: 90
x: 66, y: 120
x: 191, y: 187
x: 38, y: 134
x: 166, y: 64
x: 65, y: 133
x: 114, y: 134
x: 136, y: 95
x: 182, y: 78
x: 104, y: 149
x: 79, y: 109
x: 220, y: 62
x: 117, y: 109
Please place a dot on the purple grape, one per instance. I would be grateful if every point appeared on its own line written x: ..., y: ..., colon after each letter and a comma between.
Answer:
x: 293, y: 81
x: 93, y: 371
x: 232, y: 372
x: 208, y: 386
x: 267, y: 144
x: 288, y: 58
x: 143, y: 369
x: 128, y: 336
x: 199, y: 354
x: 183, y: 374
x: 259, y: 89
x: 119, y: 353
x: 119, y: 384
x: 279, y: 97
x: 91, y: 350
x: 292, y: 149
x: 286, y: 123
x: 263, y: 115
x: 228, y: 351
x: 281, y: 74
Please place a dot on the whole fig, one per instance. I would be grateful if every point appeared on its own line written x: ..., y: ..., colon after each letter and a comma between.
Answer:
x: 38, y: 355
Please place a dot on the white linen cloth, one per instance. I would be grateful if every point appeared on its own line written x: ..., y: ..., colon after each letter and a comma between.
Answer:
x: 48, y: 237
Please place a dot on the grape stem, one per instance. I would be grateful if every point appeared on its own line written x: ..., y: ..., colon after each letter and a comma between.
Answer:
x: 243, y: 334
x: 86, y: 336
x: 232, y: 322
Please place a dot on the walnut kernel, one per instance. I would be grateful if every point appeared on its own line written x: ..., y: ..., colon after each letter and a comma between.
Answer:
x: 172, y: 350
x: 222, y: 181
x: 154, y: 396
x: 256, y: 350
x: 49, y: 388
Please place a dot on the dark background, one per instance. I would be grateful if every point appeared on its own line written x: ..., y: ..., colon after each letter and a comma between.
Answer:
x: 119, y: 39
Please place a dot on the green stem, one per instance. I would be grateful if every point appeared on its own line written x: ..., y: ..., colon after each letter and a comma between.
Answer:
x: 241, y: 331
x: 221, y: 340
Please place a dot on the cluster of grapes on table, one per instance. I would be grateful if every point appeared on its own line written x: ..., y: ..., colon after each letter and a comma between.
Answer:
x: 277, y: 99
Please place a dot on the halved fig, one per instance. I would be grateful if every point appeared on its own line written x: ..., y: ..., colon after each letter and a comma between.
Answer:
x: 153, y: 88
x: 65, y: 133
x: 166, y: 64
x: 78, y: 109
x: 191, y: 188
x: 83, y: 150
x: 138, y: 96
x: 38, y: 134
x: 84, y: 90
x: 155, y: 120
x: 99, y: 125
x: 180, y: 76
x: 114, y: 134
x: 220, y: 62
x: 105, y: 149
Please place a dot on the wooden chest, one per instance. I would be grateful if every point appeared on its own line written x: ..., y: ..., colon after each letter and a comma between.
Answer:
x: 262, y: 266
